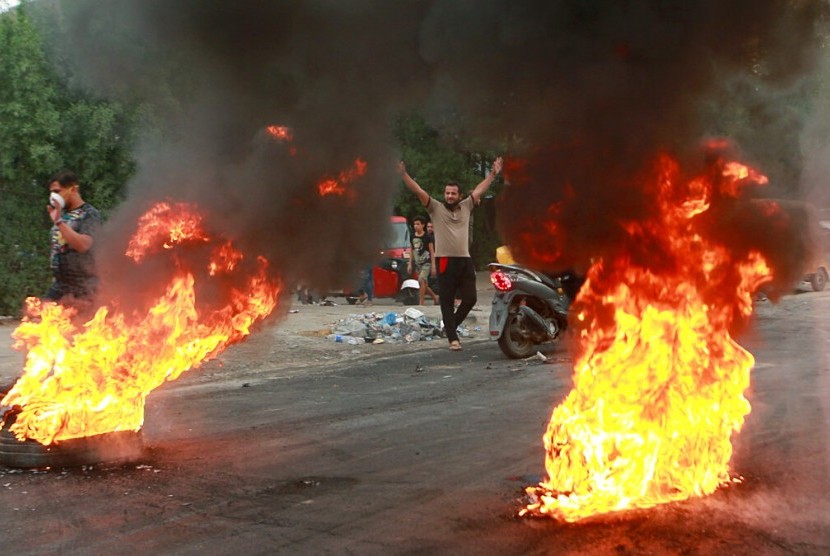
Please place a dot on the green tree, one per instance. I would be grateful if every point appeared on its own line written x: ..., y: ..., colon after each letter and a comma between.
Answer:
x: 96, y: 142
x: 28, y: 137
x: 45, y: 126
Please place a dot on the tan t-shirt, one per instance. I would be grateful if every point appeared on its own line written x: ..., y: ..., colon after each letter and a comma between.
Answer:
x: 451, y: 228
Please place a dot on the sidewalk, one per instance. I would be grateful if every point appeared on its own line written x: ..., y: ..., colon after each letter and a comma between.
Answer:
x: 312, y: 317
x: 295, y: 336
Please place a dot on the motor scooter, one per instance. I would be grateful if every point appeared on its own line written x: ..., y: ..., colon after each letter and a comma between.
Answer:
x: 530, y: 308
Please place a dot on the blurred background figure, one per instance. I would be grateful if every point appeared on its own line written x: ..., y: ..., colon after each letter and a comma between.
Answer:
x: 422, y: 261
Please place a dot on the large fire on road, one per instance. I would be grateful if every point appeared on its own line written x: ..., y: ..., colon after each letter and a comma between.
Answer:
x: 659, y: 382
x: 92, y: 378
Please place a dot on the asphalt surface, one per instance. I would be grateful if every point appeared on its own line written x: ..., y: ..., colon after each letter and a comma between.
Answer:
x: 423, y: 452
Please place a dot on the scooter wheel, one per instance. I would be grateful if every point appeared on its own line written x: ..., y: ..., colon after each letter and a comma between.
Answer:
x: 513, y: 342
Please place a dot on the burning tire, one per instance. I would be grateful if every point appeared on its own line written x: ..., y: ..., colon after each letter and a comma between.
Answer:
x: 113, y: 448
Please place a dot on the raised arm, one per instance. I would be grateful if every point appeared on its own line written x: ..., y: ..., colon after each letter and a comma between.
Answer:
x: 482, y: 187
x: 412, y: 185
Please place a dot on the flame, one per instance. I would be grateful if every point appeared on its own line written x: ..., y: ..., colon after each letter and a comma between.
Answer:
x: 83, y: 380
x: 165, y: 226
x: 283, y: 134
x: 339, y: 185
x: 224, y: 259
x: 737, y: 175
x: 280, y: 132
x: 658, y: 381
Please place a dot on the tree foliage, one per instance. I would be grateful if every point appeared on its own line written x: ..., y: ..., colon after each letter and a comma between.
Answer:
x: 46, y: 126
x: 28, y: 147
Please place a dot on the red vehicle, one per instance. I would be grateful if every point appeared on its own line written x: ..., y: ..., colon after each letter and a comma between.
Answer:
x: 389, y: 275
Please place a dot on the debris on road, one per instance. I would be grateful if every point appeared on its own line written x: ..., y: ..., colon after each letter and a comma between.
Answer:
x: 389, y: 327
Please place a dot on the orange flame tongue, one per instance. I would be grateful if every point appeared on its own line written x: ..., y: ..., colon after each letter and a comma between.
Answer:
x: 339, y: 186
x: 283, y: 134
x: 658, y: 382
x: 94, y: 379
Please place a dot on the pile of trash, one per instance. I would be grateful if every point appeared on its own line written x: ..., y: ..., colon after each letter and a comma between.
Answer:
x: 379, y: 328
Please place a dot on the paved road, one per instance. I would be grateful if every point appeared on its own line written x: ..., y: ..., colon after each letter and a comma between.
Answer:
x: 423, y: 453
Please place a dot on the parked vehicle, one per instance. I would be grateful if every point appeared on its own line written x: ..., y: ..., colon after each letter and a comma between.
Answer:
x: 816, y: 272
x: 392, y: 280
x: 530, y: 308
x: 399, y: 245
x: 817, y: 275
x: 814, y: 223
x: 390, y: 275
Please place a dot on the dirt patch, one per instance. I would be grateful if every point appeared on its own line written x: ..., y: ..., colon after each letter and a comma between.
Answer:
x: 294, y: 338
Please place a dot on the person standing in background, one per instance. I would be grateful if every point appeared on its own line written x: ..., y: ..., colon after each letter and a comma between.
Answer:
x: 366, y: 291
x: 74, y: 225
x: 422, y: 260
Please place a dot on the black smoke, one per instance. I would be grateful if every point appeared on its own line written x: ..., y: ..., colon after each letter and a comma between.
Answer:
x: 581, y: 94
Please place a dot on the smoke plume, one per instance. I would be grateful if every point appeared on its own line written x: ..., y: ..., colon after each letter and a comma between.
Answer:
x: 582, y: 94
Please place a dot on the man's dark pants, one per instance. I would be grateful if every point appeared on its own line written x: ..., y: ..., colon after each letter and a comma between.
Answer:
x: 456, y: 278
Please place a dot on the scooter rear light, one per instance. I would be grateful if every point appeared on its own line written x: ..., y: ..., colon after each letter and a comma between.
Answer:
x: 501, y: 281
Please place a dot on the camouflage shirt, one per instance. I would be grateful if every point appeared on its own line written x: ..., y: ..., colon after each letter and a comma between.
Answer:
x: 74, y: 272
